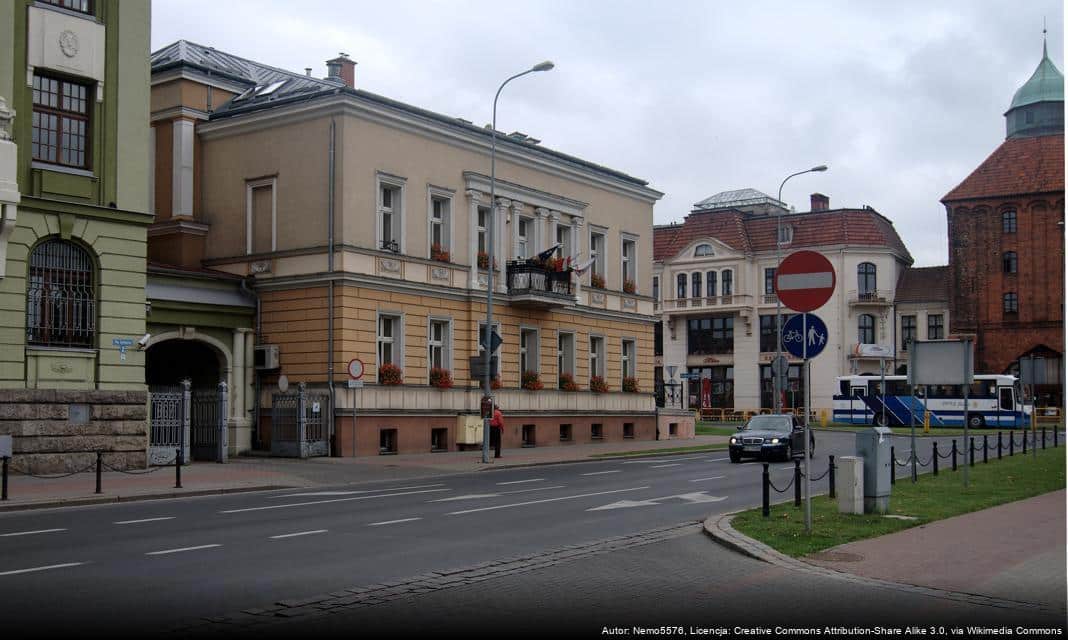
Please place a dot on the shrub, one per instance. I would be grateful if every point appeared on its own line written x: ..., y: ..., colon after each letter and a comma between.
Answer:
x: 597, y: 281
x: 440, y: 378
x: 531, y: 381
x: 389, y: 374
x: 630, y: 385
x: 598, y: 385
x: 567, y: 382
x: 629, y: 286
x: 437, y: 252
x: 555, y: 264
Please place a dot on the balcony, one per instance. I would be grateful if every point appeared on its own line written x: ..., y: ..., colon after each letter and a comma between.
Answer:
x: 702, y: 305
x: 537, y: 286
x: 876, y: 298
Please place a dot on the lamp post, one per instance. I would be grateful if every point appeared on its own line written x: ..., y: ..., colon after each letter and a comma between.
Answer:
x: 488, y: 375
x: 777, y: 378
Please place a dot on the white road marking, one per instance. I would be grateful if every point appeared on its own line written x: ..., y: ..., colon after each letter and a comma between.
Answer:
x: 718, y: 459
x: 704, y: 479
x: 523, y: 504
x: 166, y: 551
x: 143, y: 520
x: 522, y: 481
x: 304, y: 504
x: 624, y: 504
x: 601, y: 473
x: 29, y: 533
x: 652, y: 460
x: 51, y: 566
x: 299, y: 533
x: 312, y: 494
x: 379, y: 524
x: 692, y: 498
x: 661, y: 466
x: 479, y: 496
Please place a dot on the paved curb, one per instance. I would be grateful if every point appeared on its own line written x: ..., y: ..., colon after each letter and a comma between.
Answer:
x: 78, y: 502
x: 602, y: 459
x: 719, y: 528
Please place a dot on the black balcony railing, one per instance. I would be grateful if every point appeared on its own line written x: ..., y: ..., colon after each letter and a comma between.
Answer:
x: 526, y: 277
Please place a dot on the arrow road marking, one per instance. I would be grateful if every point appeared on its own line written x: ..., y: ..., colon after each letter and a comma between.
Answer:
x: 304, y: 504
x: 523, y: 504
x: 692, y: 498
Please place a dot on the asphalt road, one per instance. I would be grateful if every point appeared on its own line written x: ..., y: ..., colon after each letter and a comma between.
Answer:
x: 151, y: 565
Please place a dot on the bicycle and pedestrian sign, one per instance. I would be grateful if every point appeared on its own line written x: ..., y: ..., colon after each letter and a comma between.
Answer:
x: 804, y: 336
x: 804, y: 281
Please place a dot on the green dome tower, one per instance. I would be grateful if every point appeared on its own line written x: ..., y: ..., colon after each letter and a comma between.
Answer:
x: 1037, y: 109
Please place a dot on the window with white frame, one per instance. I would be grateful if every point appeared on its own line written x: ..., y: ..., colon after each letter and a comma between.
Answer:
x: 656, y: 288
x: 563, y: 238
x: 528, y: 351
x: 390, y: 214
x: 438, y: 352
x: 629, y: 260
x: 597, y: 253
x: 482, y: 229
x: 628, y: 358
x: 524, y: 234
x: 711, y: 284
x: 703, y: 250
x: 726, y: 282
x: 597, y: 356
x: 565, y: 352
x: 680, y: 288
x: 389, y: 339
x: 786, y: 234
x: 440, y: 214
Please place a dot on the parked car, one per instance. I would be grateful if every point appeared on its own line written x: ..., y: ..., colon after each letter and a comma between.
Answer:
x: 770, y: 437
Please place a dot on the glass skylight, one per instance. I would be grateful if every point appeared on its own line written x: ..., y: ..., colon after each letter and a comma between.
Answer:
x: 271, y: 88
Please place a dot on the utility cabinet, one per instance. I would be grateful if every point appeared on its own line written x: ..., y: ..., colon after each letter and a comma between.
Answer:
x: 873, y: 445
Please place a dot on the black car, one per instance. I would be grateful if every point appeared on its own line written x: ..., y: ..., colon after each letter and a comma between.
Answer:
x: 774, y: 436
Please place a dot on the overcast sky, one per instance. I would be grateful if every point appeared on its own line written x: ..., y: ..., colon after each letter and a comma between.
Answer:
x: 902, y: 100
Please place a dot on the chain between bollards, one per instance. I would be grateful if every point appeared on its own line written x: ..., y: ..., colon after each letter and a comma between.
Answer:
x: 830, y: 470
x: 178, y: 469
x: 797, y: 482
x: 766, y: 510
x: 99, y: 470
x: 934, y: 457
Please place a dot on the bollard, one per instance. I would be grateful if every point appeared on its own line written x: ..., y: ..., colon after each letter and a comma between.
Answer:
x: 954, y: 454
x: 766, y: 511
x: 99, y: 469
x: 178, y: 468
x: 1043, y: 438
x: 985, y: 460
x: 1025, y: 442
x: 830, y: 474
x: 3, y: 491
x: 999, y: 445
x: 893, y: 465
x: 971, y: 451
x: 1055, y: 429
x: 934, y: 457
x: 797, y: 482
x: 1012, y: 444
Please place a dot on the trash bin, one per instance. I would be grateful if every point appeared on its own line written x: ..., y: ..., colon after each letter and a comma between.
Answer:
x: 874, y: 446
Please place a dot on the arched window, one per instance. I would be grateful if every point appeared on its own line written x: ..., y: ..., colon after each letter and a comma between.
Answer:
x: 728, y: 282
x: 710, y: 283
x: 703, y: 250
x: 695, y: 281
x: 681, y: 292
x: 866, y: 279
x: 1008, y: 222
x: 1010, y: 303
x: 866, y: 329
x: 60, y: 296
x: 1008, y: 262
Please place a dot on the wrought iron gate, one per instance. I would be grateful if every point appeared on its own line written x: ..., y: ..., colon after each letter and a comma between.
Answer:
x: 299, y: 426
x: 194, y: 420
x: 168, y: 428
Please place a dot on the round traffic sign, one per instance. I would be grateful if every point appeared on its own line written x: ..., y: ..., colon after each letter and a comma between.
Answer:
x: 355, y: 368
x: 283, y: 383
x: 805, y: 281
x: 804, y: 336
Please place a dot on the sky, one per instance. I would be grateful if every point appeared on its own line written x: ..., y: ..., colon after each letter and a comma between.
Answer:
x: 901, y: 100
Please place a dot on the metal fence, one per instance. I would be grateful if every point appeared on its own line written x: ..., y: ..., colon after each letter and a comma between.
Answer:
x: 193, y: 420
x: 299, y: 426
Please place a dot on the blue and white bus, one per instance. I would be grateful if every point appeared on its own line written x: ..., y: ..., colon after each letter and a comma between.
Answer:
x: 993, y: 401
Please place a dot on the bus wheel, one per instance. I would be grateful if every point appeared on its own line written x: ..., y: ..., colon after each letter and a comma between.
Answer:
x: 976, y: 422
x: 879, y: 420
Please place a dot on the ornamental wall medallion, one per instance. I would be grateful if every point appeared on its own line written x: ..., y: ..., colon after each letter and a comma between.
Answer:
x: 386, y: 264
x: 68, y: 43
x: 439, y: 273
x: 260, y: 266
x: 60, y: 367
x: 596, y: 298
x: 629, y: 303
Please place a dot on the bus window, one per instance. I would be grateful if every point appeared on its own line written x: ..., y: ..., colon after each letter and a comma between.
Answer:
x: 874, y: 389
x: 1006, y: 403
x: 843, y: 386
x: 858, y: 392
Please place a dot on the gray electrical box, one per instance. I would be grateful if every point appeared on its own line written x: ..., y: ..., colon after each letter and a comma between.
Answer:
x: 874, y: 446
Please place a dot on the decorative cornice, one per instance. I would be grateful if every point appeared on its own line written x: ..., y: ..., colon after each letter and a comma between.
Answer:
x: 179, y: 112
x: 534, y: 197
x: 47, y: 205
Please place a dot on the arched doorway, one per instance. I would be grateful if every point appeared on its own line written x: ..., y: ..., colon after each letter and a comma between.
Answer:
x: 167, y: 364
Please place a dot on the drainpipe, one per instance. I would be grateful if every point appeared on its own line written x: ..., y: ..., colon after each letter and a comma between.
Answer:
x: 330, y: 288
x: 257, y: 339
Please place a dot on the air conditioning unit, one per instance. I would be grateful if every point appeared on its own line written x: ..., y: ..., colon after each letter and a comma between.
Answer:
x: 265, y: 357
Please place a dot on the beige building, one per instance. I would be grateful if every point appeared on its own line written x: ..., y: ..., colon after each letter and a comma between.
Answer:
x: 361, y: 225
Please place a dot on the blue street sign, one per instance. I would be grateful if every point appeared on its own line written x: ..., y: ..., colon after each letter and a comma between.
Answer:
x: 804, y: 336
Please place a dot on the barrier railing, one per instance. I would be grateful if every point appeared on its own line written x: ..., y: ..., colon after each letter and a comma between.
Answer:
x: 97, y: 467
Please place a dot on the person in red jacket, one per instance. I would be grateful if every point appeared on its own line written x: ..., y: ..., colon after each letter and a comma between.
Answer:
x: 496, y: 429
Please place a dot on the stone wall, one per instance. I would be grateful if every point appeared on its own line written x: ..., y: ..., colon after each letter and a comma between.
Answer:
x: 60, y: 431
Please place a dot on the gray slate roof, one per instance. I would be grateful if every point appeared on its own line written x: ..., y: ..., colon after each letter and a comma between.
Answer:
x: 736, y: 198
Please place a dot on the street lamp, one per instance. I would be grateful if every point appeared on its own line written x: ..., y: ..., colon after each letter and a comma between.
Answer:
x: 776, y: 377
x: 487, y: 379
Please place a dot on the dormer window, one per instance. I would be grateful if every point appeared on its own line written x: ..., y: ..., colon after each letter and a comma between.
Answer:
x: 703, y: 250
x: 786, y: 234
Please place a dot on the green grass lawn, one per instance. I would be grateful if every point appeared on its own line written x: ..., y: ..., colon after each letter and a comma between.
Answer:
x: 662, y: 452
x: 709, y: 429
x: 930, y: 498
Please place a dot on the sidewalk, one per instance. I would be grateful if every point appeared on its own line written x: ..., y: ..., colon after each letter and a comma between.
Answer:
x: 1014, y: 552
x: 263, y: 473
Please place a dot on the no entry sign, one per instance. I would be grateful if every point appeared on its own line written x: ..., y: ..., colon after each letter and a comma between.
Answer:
x: 804, y: 281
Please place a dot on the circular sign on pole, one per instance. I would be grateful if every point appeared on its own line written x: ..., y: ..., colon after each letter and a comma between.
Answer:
x: 283, y: 383
x: 804, y: 336
x: 780, y: 365
x: 805, y: 281
x: 355, y: 368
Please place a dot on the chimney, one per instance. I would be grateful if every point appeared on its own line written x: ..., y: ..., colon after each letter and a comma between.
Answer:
x: 342, y: 68
x: 307, y: 71
x: 819, y: 202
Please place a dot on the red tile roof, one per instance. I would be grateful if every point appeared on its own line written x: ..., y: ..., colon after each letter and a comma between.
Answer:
x: 923, y: 284
x: 1019, y: 166
x: 752, y: 233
